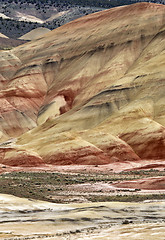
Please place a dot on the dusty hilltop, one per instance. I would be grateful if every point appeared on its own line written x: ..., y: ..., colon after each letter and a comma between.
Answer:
x: 88, y: 93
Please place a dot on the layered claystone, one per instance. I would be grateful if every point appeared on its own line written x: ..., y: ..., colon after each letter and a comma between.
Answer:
x: 91, y: 91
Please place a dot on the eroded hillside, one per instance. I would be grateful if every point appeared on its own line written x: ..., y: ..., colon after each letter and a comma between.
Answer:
x: 90, y: 92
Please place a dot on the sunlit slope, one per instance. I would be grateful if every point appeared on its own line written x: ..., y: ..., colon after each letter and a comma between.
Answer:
x: 95, y: 88
x: 35, y: 33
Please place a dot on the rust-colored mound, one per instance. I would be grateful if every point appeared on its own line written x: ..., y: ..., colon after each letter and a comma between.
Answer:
x: 89, y: 92
x: 23, y: 158
x: 155, y: 183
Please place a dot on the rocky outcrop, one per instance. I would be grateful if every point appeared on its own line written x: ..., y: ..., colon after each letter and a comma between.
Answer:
x: 90, y: 92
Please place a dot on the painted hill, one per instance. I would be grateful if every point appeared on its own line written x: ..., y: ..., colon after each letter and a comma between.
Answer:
x: 91, y: 91
x: 21, y: 16
x: 35, y: 33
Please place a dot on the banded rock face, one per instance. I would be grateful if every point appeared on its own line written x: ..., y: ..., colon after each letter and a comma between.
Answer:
x: 91, y: 91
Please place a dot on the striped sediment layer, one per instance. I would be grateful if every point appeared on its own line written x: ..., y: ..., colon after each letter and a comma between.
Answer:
x: 89, y: 92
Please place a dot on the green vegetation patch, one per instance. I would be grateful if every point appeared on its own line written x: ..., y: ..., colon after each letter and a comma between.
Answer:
x: 59, y: 187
